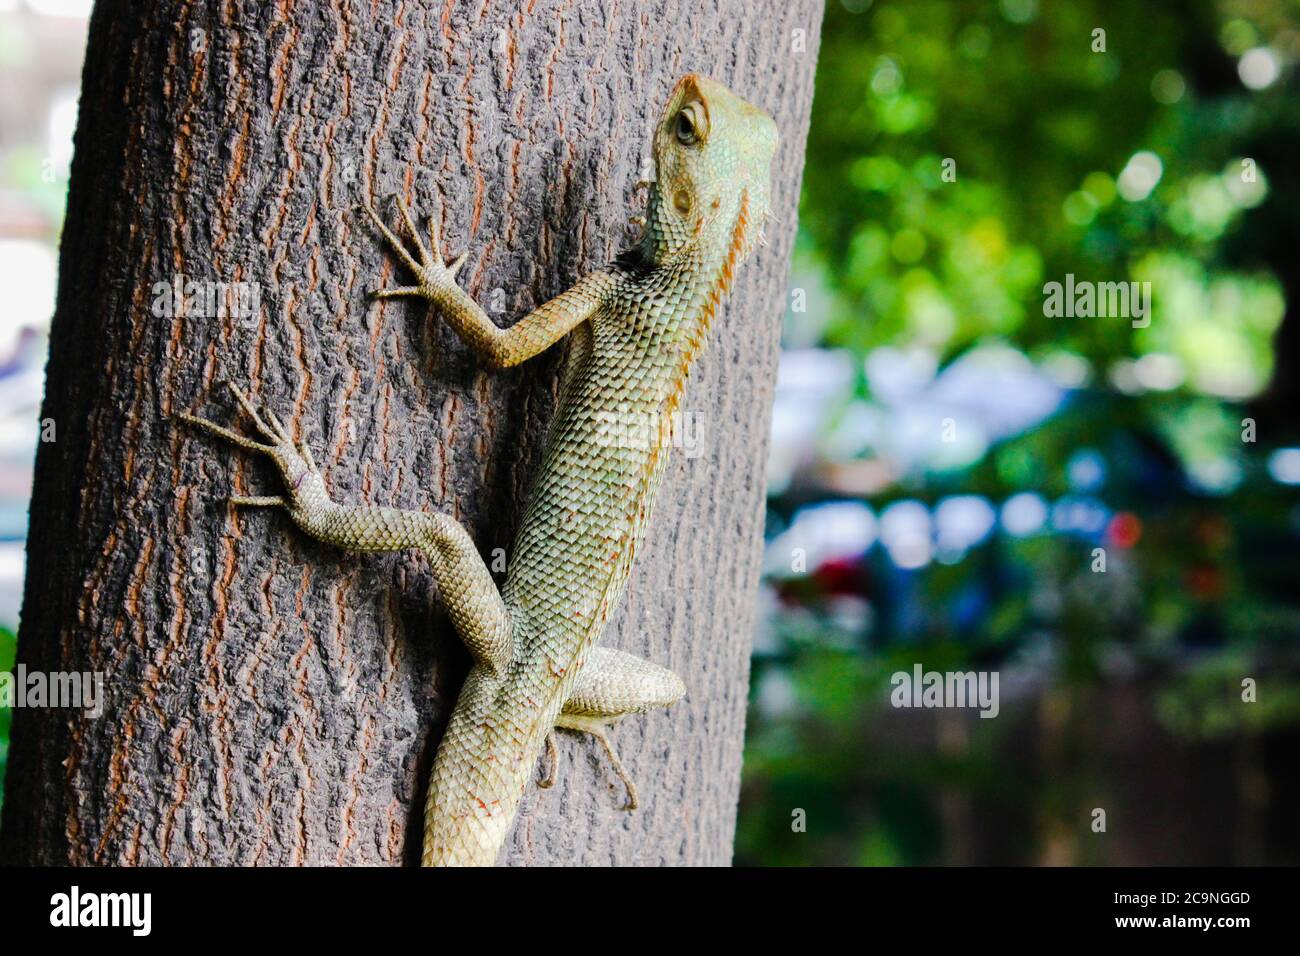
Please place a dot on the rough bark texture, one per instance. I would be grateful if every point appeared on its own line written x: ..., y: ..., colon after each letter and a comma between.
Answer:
x: 273, y: 701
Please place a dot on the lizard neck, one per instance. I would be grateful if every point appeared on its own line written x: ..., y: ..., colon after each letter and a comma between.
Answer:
x: 718, y: 256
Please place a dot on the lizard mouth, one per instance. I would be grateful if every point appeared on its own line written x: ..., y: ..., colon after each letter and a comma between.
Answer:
x: 750, y: 229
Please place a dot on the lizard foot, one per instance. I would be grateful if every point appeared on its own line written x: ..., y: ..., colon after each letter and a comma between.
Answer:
x: 294, y: 461
x: 596, y: 727
x: 426, y: 264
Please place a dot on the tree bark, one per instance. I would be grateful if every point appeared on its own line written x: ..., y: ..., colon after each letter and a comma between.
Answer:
x: 273, y: 701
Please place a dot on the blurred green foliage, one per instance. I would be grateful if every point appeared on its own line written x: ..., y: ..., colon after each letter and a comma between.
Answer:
x: 8, y: 650
x: 1034, y: 129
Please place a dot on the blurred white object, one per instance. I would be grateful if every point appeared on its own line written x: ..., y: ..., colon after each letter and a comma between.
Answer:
x: 821, y: 533
x: 809, y: 382
x: 28, y: 273
x: 13, y: 560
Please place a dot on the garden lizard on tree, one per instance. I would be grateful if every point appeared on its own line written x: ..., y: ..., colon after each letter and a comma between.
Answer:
x: 638, y: 326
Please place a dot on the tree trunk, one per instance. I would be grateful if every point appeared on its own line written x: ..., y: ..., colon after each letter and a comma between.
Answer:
x: 273, y: 701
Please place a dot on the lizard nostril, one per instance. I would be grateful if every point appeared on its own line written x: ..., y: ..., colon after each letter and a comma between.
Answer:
x: 682, y: 201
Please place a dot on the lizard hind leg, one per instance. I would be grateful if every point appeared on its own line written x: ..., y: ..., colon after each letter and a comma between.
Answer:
x: 464, y: 582
x: 612, y: 685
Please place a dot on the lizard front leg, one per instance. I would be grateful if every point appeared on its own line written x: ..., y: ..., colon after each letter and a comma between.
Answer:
x: 466, y: 586
x: 500, y: 348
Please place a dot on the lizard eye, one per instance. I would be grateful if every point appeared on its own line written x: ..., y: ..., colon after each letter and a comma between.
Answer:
x: 692, y: 124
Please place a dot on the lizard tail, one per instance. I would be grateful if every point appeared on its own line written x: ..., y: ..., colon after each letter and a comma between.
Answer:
x: 479, y: 775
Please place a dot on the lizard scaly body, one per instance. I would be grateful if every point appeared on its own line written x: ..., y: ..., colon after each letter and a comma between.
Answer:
x: 639, y: 325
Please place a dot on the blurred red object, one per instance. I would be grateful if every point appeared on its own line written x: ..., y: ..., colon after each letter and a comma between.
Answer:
x: 1125, y: 530
x: 1205, y: 582
x: 841, y: 576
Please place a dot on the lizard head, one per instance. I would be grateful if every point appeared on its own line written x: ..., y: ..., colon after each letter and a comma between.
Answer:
x: 713, y: 156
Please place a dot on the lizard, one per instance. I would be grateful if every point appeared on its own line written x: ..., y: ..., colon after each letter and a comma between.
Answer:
x: 637, y: 326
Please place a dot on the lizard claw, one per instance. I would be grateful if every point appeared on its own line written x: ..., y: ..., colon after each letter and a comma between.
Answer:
x: 552, y: 760
x: 599, y: 733
x: 401, y: 292
x: 272, y: 429
x: 426, y: 264
x: 598, y: 728
x: 295, y: 461
x: 233, y: 437
x: 428, y: 254
x: 258, y: 501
